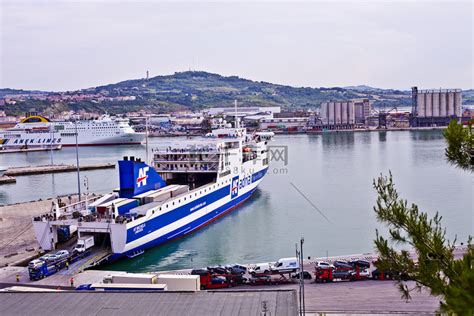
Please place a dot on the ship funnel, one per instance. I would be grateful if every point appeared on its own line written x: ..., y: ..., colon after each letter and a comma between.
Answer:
x: 137, y: 177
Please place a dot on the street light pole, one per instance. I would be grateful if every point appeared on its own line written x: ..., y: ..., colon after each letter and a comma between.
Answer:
x: 301, y: 276
x: 298, y: 257
x: 77, y: 164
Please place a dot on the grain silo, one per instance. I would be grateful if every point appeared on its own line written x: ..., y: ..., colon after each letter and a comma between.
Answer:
x: 428, y: 104
x: 435, y: 103
x: 331, y: 113
x: 351, y: 113
x: 420, y: 104
x: 337, y: 112
x: 451, y: 103
x: 443, y: 104
x: 458, y: 103
x: 344, y: 113
x: 435, y: 107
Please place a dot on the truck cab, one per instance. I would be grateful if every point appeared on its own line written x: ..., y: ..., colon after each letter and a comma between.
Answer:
x: 84, y: 243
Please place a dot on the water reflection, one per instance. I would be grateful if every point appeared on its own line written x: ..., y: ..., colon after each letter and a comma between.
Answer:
x: 338, y: 139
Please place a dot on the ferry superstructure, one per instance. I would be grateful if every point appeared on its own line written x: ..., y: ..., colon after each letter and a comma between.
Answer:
x: 38, y: 131
x: 187, y: 187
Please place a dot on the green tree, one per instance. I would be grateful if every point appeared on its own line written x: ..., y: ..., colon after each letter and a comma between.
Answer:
x: 460, y: 143
x: 432, y: 265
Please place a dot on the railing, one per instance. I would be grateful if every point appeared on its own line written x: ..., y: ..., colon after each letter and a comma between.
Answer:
x: 191, y: 158
x: 68, y: 211
x: 202, y: 168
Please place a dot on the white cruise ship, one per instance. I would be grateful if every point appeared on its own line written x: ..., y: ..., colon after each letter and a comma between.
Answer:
x: 38, y: 131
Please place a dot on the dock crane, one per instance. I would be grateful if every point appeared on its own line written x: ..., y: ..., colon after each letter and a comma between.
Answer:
x: 382, y: 115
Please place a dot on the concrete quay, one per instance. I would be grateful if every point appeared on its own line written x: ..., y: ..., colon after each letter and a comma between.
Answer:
x: 17, y: 238
x: 30, y: 170
x: 7, y: 180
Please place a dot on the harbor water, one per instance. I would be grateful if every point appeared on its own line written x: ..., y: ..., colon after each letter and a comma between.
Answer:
x: 318, y: 187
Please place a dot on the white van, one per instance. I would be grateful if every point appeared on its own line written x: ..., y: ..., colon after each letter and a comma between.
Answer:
x: 286, y: 265
x: 260, y: 268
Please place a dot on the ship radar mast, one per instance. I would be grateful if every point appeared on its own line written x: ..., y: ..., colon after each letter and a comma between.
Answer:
x: 236, y: 117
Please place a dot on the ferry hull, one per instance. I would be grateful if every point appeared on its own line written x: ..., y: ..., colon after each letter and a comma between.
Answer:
x: 187, y: 229
x: 182, y: 220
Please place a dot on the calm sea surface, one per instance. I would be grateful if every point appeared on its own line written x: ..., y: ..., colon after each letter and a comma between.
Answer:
x: 334, y: 171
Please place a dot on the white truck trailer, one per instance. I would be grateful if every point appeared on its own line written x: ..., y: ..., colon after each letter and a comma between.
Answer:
x: 180, y: 282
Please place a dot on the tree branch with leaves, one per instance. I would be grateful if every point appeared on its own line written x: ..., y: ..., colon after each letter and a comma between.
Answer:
x: 418, y: 250
x: 460, y: 141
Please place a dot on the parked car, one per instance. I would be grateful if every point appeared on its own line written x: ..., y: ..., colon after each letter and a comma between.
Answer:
x: 284, y: 265
x: 49, y: 257
x: 218, y: 270
x: 239, y: 266
x: 235, y: 270
x: 362, y: 273
x: 260, y: 280
x: 342, y: 274
x: 306, y: 275
x: 218, y: 280
x: 62, y: 254
x: 360, y: 263
x: 199, y: 272
x: 322, y: 264
x: 342, y: 265
x: 35, y: 264
x: 260, y: 268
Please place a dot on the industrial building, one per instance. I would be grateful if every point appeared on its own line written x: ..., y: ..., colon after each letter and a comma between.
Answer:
x: 362, y: 109
x: 283, y: 123
x: 435, y: 107
x: 339, y: 115
x: 244, y: 111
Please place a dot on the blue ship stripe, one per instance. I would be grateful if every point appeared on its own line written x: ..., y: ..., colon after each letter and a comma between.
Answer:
x: 194, y: 224
x: 176, y: 214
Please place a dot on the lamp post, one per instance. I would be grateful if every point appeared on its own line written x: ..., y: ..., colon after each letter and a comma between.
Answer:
x: 77, y: 164
x: 301, y: 275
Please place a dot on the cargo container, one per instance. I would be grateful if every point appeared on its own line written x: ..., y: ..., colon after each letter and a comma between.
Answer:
x: 117, y: 207
x: 160, y: 195
x: 179, y: 190
x: 134, y: 278
x: 147, y: 208
x: 180, y: 282
x: 66, y: 232
x: 142, y: 197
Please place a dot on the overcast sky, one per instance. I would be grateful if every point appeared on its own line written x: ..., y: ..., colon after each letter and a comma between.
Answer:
x: 64, y: 45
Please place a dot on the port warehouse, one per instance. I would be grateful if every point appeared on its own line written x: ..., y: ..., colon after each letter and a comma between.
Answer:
x: 273, y: 302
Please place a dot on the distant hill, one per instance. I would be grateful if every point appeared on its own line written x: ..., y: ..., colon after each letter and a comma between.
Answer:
x: 195, y: 90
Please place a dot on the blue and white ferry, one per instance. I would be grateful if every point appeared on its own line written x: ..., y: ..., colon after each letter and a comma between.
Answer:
x: 187, y: 187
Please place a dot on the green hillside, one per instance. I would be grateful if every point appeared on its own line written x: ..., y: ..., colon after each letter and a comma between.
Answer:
x: 195, y: 90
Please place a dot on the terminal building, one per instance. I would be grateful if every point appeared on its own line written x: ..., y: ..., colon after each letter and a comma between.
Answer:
x: 435, y: 107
